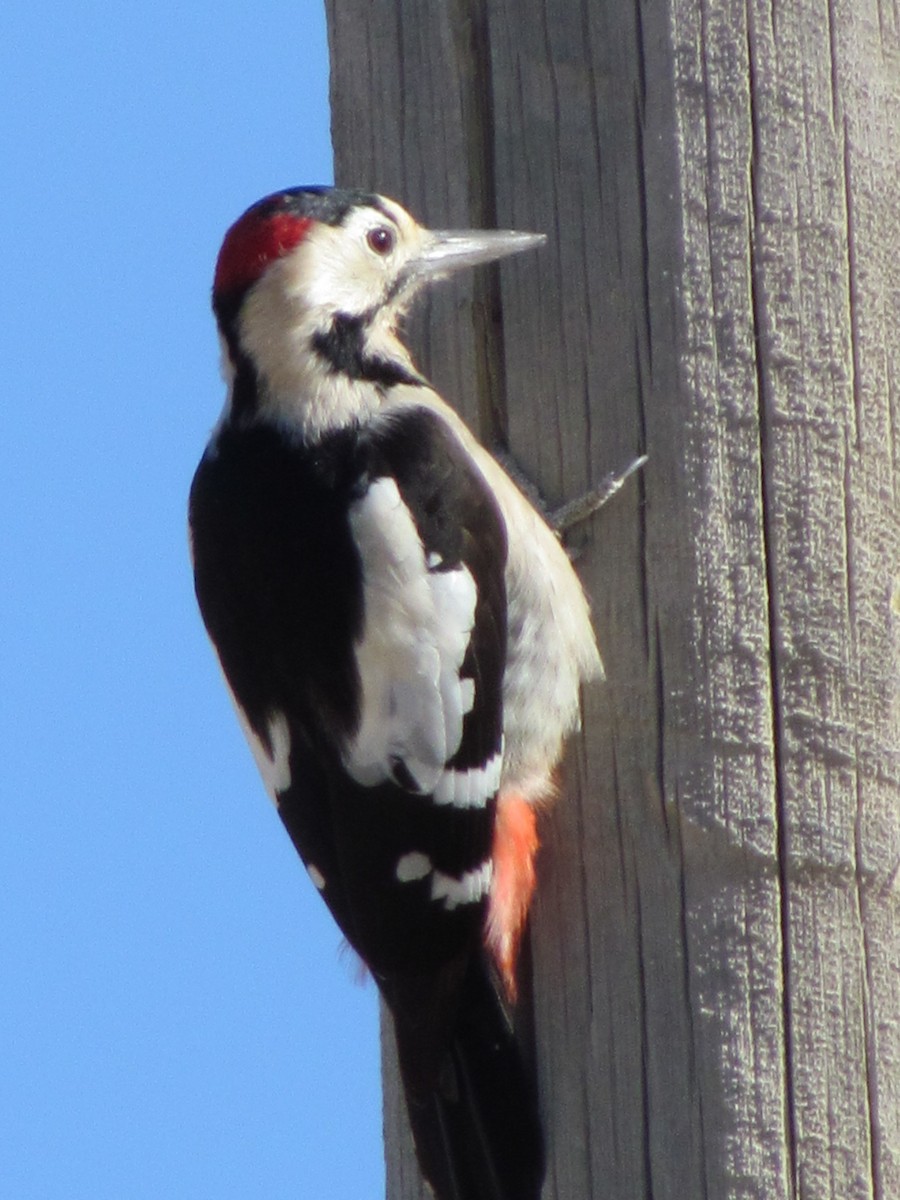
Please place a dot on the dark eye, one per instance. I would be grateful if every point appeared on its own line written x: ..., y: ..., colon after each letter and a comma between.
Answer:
x: 381, y: 239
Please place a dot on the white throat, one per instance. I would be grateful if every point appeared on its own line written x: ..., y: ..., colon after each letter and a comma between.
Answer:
x: 300, y: 388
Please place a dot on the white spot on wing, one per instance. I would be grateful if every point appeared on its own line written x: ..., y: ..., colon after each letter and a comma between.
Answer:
x: 413, y: 866
x: 280, y: 740
x: 467, y: 889
x: 316, y: 876
x: 274, y: 767
x: 416, y: 631
x: 472, y: 788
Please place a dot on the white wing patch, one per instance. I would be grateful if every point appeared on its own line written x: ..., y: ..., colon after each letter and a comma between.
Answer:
x: 417, y: 625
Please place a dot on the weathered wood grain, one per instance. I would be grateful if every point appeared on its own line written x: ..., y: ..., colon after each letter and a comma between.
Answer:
x: 716, y: 942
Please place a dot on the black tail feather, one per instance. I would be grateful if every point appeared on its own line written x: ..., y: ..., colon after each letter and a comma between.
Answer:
x: 475, y: 1120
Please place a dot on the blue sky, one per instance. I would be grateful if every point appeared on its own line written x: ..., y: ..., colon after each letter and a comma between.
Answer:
x: 175, y: 1017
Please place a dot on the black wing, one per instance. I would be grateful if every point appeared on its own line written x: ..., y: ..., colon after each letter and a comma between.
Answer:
x: 291, y: 548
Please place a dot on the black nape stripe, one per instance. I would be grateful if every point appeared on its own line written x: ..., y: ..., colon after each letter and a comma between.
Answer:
x: 342, y: 346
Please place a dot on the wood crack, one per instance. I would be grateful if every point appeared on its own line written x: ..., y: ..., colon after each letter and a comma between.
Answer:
x: 757, y: 304
x: 471, y: 30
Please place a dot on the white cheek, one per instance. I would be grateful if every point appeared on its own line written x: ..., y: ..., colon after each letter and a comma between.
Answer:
x: 337, y: 272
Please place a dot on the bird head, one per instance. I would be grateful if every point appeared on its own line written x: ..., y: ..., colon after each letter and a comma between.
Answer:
x: 311, y: 283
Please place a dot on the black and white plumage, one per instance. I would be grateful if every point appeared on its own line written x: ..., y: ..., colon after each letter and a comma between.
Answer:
x: 404, y: 640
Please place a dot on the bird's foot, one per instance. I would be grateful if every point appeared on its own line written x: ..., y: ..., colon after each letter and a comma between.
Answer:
x: 574, y: 512
x: 567, y: 516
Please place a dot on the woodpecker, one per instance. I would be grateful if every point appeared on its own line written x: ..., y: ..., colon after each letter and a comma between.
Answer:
x: 404, y: 639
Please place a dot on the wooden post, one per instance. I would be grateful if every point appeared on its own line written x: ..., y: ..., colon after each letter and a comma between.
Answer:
x: 716, y: 939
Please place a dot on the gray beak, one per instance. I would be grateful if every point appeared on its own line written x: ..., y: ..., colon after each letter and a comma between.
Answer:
x: 449, y: 250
